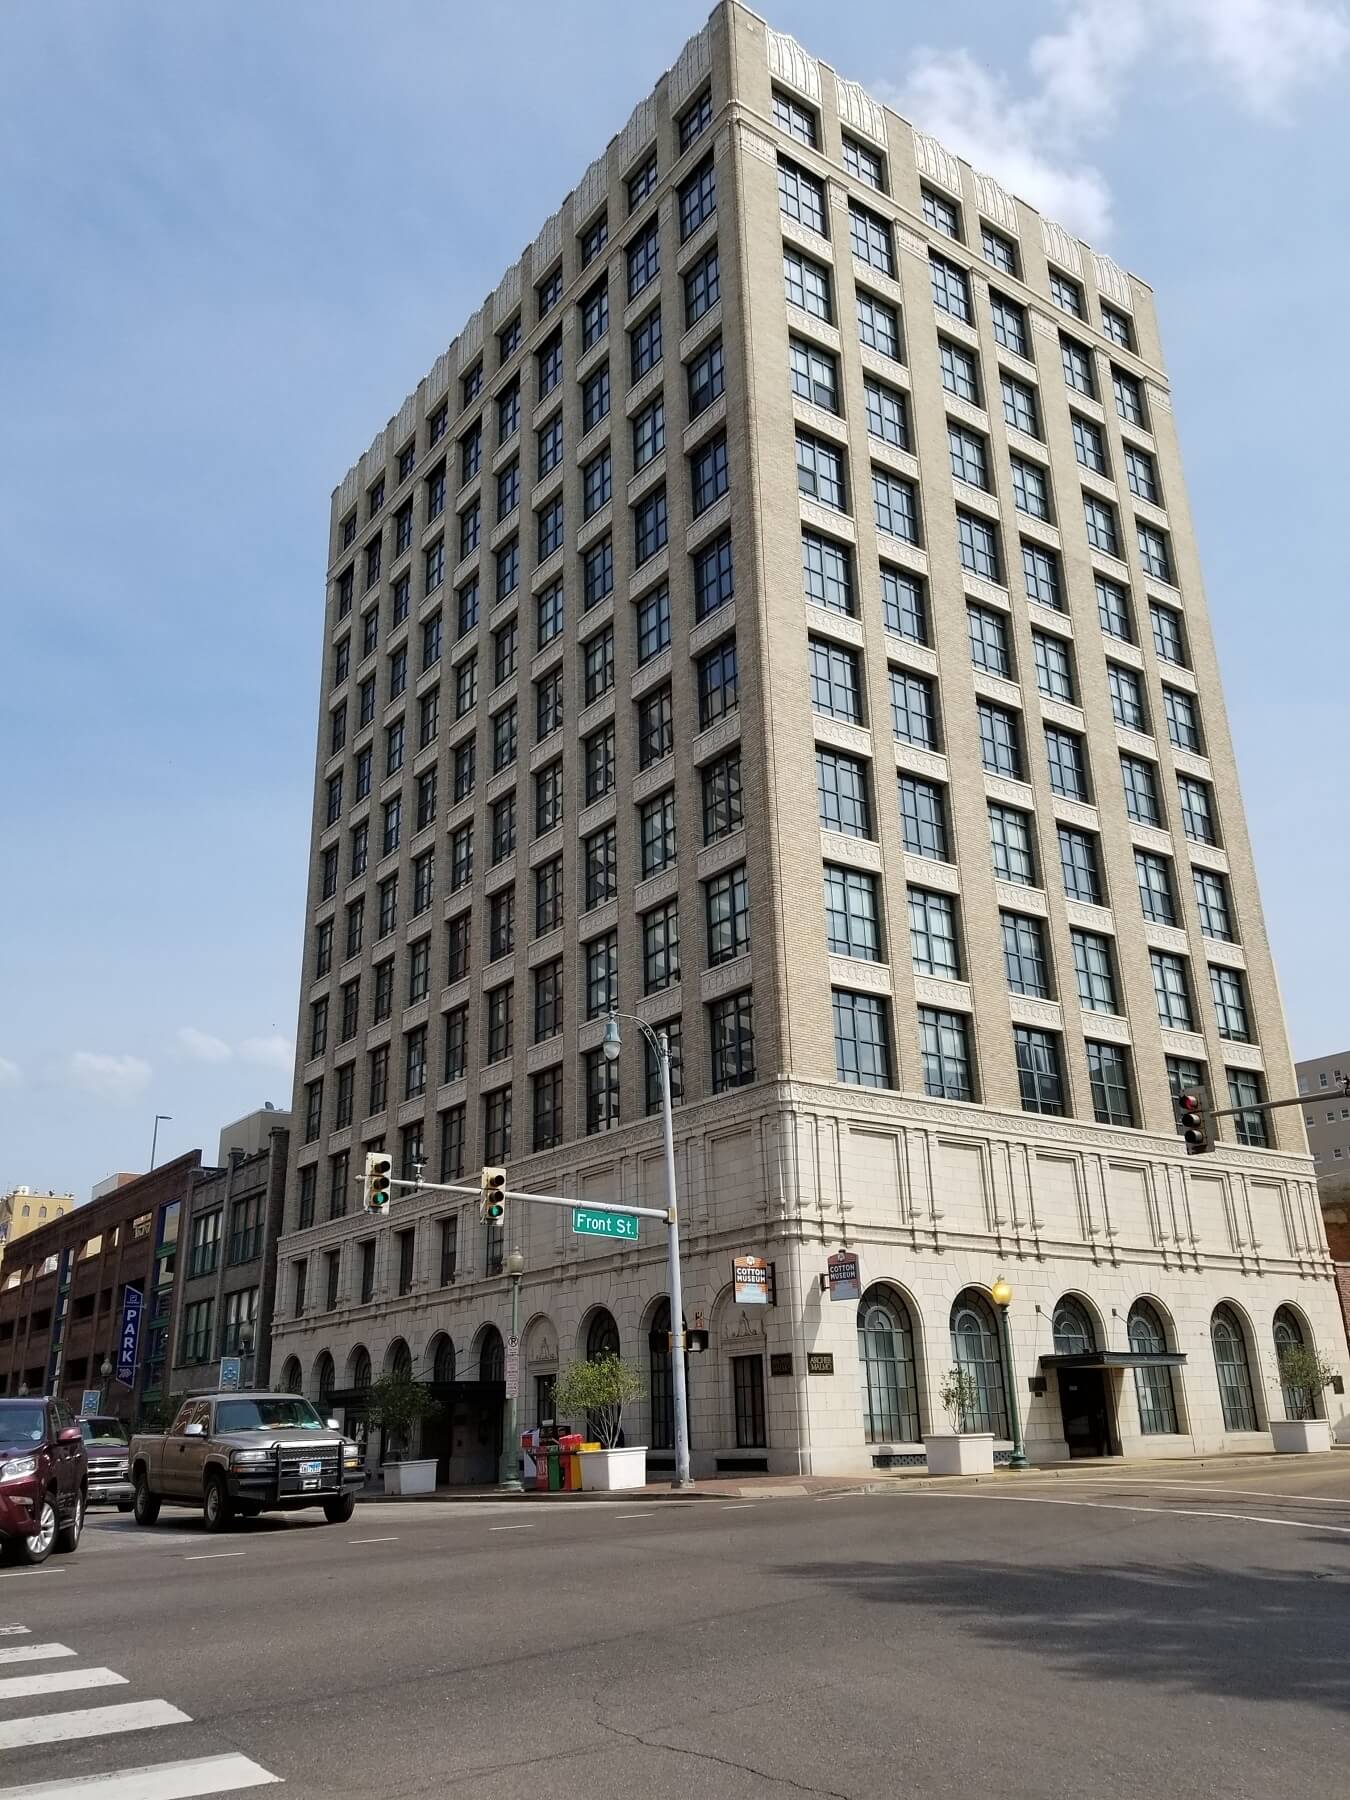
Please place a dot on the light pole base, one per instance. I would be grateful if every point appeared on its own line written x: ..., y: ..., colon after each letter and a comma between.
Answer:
x: 1018, y: 1460
x: 510, y: 1486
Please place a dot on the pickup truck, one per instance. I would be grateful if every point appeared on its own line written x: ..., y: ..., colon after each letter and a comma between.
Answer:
x: 238, y: 1455
x: 106, y: 1441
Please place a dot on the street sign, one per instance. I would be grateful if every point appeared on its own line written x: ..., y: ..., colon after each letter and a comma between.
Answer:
x: 129, y: 1337
x: 512, y: 1368
x: 591, y: 1221
x: 231, y: 1372
x: 820, y: 1362
x: 750, y: 1281
x: 844, y: 1276
x: 89, y: 1402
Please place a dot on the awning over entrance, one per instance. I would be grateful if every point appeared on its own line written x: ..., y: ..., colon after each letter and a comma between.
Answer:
x: 1116, y: 1359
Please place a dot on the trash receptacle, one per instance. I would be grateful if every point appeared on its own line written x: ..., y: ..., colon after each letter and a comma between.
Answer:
x: 569, y: 1444
x: 555, y: 1471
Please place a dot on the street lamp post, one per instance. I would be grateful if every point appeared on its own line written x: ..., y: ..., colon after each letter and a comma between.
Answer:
x: 105, y: 1373
x: 1001, y: 1293
x: 508, y: 1473
x: 245, y: 1354
x: 160, y: 1118
x: 659, y: 1043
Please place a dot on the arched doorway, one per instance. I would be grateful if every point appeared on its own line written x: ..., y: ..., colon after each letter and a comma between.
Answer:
x: 442, y: 1360
x: 1084, y: 1398
x: 356, y: 1396
x: 1289, y: 1335
x: 660, y: 1389
x: 491, y: 1355
x: 325, y: 1380
x: 1233, y: 1368
x: 890, y: 1388
x: 1154, y: 1393
x: 975, y: 1349
x: 292, y: 1379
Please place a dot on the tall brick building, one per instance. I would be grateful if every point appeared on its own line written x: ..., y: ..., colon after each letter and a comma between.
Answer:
x: 777, y: 615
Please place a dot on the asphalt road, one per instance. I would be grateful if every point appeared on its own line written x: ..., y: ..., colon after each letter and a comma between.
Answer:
x: 1177, y: 1633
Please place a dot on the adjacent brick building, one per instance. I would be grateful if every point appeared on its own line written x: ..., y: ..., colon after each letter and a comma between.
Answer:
x: 777, y: 615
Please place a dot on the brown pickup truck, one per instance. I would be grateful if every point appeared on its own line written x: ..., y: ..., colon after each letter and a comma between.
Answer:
x: 238, y: 1455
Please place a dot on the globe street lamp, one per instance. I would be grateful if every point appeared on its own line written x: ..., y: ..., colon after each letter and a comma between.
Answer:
x: 508, y: 1471
x: 105, y: 1372
x: 1001, y: 1294
x: 658, y: 1042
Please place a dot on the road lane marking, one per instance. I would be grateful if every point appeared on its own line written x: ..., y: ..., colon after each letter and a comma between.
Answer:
x: 213, y: 1556
x: 32, y: 1652
x: 15, y: 1574
x: 14, y: 1631
x: 93, y: 1721
x: 527, y: 1525
x: 1166, y: 1512
x: 60, y: 1681
x: 1206, y: 1487
x: 378, y: 1540
x: 158, y: 1781
x: 735, y: 1506
x: 641, y: 1515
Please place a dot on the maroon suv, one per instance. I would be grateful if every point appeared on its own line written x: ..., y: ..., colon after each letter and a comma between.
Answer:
x: 44, y: 1478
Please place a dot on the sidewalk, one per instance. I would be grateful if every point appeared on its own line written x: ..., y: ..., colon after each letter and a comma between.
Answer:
x: 824, y: 1487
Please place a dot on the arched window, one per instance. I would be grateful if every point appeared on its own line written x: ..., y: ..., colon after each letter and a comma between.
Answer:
x: 398, y: 1360
x: 975, y: 1349
x: 1230, y: 1364
x: 602, y: 1336
x: 443, y: 1361
x: 1153, y: 1389
x: 325, y: 1378
x: 1288, y: 1333
x: 358, y: 1368
x: 886, y: 1357
x: 659, y: 1378
x: 1073, y: 1331
x: 291, y: 1378
x: 492, y: 1356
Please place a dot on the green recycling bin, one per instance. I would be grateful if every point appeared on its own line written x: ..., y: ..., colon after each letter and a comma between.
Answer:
x: 555, y: 1479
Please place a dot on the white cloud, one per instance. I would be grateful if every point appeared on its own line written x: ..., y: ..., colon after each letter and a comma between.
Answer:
x: 1037, y: 141
x: 11, y: 1075
x: 109, y: 1077
x: 274, y: 1052
x: 202, y: 1047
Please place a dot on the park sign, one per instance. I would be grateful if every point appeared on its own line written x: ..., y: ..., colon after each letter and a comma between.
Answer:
x: 750, y: 1281
x: 129, y: 1333
x: 598, y: 1221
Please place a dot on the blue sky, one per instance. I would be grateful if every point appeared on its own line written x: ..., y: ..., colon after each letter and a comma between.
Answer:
x: 236, y: 234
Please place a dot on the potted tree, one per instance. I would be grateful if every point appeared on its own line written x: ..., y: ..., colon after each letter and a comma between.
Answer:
x: 1304, y: 1378
x: 597, y: 1393
x: 396, y: 1404
x: 959, y: 1452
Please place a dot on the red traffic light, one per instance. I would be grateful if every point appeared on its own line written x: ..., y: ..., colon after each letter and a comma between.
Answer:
x: 1192, y: 1124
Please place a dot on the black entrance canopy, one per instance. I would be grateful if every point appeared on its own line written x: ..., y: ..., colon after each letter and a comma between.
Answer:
x: 1117, y: 1359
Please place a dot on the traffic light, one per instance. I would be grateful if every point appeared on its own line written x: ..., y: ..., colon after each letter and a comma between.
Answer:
x: 492, y: 1206
x: 379, y: 1180
x: 1192, y: 1124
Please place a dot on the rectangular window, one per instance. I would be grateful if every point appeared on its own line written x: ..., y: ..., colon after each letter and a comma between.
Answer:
x: 508, y: 412
x: 656, y: 833
x: 461, y: 858
x: 731, y: 1028
x: 549, y: 609
x: 649, y: 433
x: 895, y: 505
x: 497, y: 1138
x: 597, y: 663
x: 501, y: 924
x: 1109, y: 1076
x: 1099, y: 516
x: 944, y: 1051
x: 1067, y: 293
x: 650, y: 526
x: 599, y: 861
x: 642, y: 181
x: 448, y: 1229
x: 503, y: 821
x: 834, y: 678
x: 1024, y: 955
x: 697, y: 198
x: 508, y: 568
x: 932, y: 934
x: 1010, y: 845
x: 1230, y: 1004
x: 456, y: 1043
x: 602, y: 975
x: 968, y: 455
x: 1000, y: 740
x: 1153, y: 551
x: 384, y: 992
x: 841, y: 793
x: 1167, y: 637
x: 1113, y: 610
x: 1141, y: 791
x: 903, y: 607
x: 726, y: 901
x: 814, y: 374
x: 878, y: 326
x: 549, y: 364
x: 923, y: 818
x: 862, y: 1047
x: 593, y: 239
x: 1076, y: 359
x: 870, y: 238
x: 1040, y: 1073
x: 714, y: 576
x: 718, y: 684
x: 1172, y: 991
x: 998, y: 251
x: 1019, y: 405
x: 644, y: 344
x: 852, y: 916
x: 827, y: 575
x: 388, y: 892
x: 1129, y: 395
x: 547, y: 1123
x: 708, y: 475
x: 660, y: 948
x: 864, y: 164
x: 801, y: 197
x: 959, y: 371
x: 464, y: 769
x: 695, y: 119
x: 1127, y: 697
x: 656, y: 727
x: 1010, y: 324
x: 913, y: 709
x: 722, y: 812
x: 1031, y: 488
x: 1054, y: 670
x: 548, y: 783
x: 1117, y: 327
x: 470, y: 454
x: 807, y: 284
x: 1079, y: 865
x: 1183, y: 720
x: 674, y: 1034
x: 653, y: 623
x: 1093, y: 969
x: 598, y: 762
x: 548, y: 1000
x: 594, y: 310
x: 498, y: 1006
x: 377, y: 1095
x: 1157, y: 899
x: 548, y: 896
x: 1141, y: 474
x: 415, y: 1063
x: 1197, y: 813
x: 977, y: 546
x: 595, y: 398
x: 951, y: 287
x: 989, y: 649
x: 1245, y: 1088
x: 887, y: 417
x: 504, y: 738
x: 942, y: 214
x: 1068, y: 763
x: 596, y: 488
x: 820, y: 471
x: 702, y: 287
x: 1211, y: 896
x: 791, y: 116
x: 424, y: 881
x: 457, y: 936
x: 597, y: 573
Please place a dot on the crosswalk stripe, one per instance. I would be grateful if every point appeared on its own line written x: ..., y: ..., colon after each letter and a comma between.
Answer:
x: 12, y: 1653
x: 160, y: 1781
x: 93, y: 1721
x: 14, y: 1631
x: 60, y: 1681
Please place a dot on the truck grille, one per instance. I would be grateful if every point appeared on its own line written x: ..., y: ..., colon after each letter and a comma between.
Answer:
x: 291, y: 1481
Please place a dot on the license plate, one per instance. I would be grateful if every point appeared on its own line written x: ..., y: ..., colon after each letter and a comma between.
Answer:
x: 311, y: 1468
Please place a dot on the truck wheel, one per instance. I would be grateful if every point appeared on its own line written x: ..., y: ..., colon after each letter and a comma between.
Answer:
x: 68, y: 1536
x: 217, y: 1507
x: 337, y: 1512
x: 145, y: 1505
x: 38, y: 1547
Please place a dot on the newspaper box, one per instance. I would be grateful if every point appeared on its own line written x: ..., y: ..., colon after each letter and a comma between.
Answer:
x: 569, y: 1444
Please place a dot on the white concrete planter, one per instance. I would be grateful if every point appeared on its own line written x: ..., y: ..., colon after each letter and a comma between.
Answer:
x: 604, y: 1470
x: 1299, y: 1437
x: 972, y: 1453
x: 410, y: 1477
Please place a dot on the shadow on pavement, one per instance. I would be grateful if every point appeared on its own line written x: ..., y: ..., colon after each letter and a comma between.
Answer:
x: 1249, y: 1634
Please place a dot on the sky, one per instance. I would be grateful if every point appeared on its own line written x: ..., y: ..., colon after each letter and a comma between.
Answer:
x: 234, y: 235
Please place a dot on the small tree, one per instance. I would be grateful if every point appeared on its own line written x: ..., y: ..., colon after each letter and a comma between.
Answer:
x: 1304, y: 1378
x: 960, y: 1395
x: 396, y: 1403
x: 598, y: 1391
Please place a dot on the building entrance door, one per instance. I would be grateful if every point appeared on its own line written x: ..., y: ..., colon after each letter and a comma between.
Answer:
x: 1086, y: 1412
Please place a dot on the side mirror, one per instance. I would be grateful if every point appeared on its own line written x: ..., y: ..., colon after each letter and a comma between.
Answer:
x: 333, y: 1425
x: 195, y: 1429
x: 70, y: 1434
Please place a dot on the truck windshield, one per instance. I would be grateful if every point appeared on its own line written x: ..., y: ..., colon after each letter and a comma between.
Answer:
x: 22, y: 1424
x: 256, y: 1415
x: 103, y: 1431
